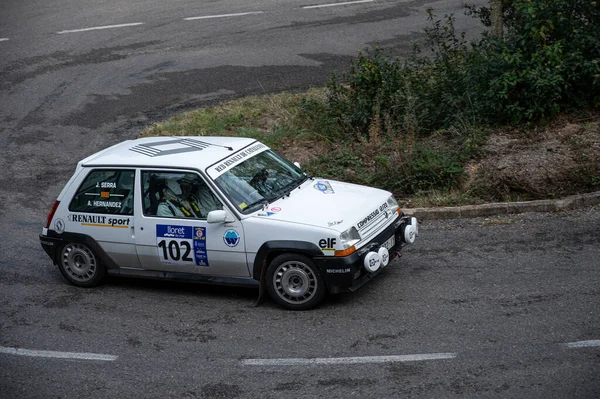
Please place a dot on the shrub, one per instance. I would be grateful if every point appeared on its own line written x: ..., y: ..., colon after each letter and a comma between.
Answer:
x: 425, y: 170
x: 421, y: 94
x: 548, y: 61
x: 367, y: 88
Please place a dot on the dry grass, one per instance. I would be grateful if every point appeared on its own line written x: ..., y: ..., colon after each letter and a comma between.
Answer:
x: 507, y: 164
x: 259, y: 114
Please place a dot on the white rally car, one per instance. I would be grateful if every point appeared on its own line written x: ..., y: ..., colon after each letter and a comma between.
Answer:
x: 221, y: 210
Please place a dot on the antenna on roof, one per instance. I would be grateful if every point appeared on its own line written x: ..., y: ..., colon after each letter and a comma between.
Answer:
x: 224, y: 146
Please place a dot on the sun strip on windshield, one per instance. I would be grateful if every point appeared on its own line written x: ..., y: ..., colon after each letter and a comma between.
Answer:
x: 224, y: 165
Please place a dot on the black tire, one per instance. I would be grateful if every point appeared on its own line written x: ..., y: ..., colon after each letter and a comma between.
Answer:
x: 294, y: 282
x: 80, y: 265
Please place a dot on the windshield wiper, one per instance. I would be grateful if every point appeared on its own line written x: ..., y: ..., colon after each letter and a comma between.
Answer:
x: 260, y: 201
x: 287, y: 189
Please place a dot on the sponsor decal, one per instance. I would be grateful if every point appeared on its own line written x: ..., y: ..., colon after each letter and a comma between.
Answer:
x: 59, y: 226
x: 238, y: 157
x: 269, y: 212
x: 327, y: 244
x: 200, y: 254
x: 231, y: 237
x: 100, y: 221
x: 372, y: 216
x: 273, y: 210
x: 181, y: 245
x: 44, y: 242
x: 338, y: 271
x: 385, y: 258
x: 324, y: 186
x: 374, y: 262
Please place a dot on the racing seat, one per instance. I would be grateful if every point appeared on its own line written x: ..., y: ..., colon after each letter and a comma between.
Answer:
x: 153, y: 195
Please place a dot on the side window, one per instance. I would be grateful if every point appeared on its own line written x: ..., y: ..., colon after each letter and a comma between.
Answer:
x: 105, y: 191
x: 177, y: 195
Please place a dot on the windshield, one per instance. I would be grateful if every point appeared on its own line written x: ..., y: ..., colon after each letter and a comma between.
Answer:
x: 259, y: 180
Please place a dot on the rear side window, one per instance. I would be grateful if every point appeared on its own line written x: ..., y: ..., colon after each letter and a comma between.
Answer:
x: 105, y: 191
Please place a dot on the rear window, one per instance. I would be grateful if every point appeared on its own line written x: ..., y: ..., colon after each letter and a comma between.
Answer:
x: 105, y: 191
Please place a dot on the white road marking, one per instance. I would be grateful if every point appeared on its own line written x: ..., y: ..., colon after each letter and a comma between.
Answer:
x: 3, y: 39
x: 239, y: 14
x: 100, y: 27
x: 347, y: 360
x: 57, y: 355
x: 339, y: 4
x: 584, y: 344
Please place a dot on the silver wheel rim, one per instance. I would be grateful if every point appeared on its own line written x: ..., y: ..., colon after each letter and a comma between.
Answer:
x: 295, y: 282
x: 79, y: 262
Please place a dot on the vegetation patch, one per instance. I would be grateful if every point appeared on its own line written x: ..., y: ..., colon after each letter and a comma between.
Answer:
x: 457, y: 122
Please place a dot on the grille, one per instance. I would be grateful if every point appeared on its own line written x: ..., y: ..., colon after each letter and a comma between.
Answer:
x: 376, y: 225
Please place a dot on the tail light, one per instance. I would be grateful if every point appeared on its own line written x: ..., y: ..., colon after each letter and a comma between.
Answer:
x: 51, y: 213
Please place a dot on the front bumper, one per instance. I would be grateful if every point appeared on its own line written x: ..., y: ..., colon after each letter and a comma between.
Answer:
x: 346, y: 273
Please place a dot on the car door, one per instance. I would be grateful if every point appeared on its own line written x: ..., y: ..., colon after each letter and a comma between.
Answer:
x: 102, y: 208
x: 172, y: 234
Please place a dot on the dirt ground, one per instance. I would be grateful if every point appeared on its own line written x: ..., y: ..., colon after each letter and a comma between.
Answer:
x: 562, y: 159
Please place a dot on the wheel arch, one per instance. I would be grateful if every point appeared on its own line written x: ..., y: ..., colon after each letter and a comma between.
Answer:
x: 78, y: 238
x: 270, y: 249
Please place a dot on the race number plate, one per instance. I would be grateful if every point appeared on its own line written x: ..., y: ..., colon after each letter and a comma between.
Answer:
x: 389, y: 243
x: 181, y: 245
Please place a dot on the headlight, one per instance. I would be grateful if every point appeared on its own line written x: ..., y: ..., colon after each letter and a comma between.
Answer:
x: 349, y: 237
x: 393, y: 204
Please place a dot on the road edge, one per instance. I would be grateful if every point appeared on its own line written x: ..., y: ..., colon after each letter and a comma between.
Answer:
x: 506, y: 208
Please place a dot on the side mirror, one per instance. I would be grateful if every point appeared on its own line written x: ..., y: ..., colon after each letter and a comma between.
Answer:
x: 297, y: 165
x: 219, y: 216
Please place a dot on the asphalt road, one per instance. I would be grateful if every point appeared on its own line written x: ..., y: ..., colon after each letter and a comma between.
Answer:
x: 500, y: 302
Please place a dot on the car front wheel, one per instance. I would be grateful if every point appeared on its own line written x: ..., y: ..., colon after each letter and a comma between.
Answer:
x: 80, y: 266
x: 294, y: 282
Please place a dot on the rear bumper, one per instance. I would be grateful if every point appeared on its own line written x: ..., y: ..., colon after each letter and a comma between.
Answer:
x: 51, y: 245
x: 347, y: 273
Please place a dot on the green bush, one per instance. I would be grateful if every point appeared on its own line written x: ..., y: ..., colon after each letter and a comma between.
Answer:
x: 356, y: 96
x: 425, y: 170
x: 420, y: 94
x: 315, y: 117
x: 548, y: 61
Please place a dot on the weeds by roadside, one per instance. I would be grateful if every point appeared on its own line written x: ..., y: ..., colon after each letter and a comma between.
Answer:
x: 457, y: 122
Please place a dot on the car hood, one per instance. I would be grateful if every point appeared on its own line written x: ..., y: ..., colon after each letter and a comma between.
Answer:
x: 326, y: 203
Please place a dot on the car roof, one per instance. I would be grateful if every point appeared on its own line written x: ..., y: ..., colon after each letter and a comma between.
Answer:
x: 173, y: 151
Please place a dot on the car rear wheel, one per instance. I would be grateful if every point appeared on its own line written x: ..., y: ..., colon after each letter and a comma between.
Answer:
x: 294, y: 282
x: 79, y: 265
